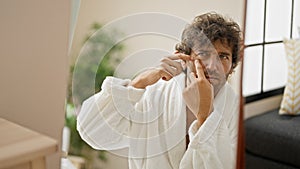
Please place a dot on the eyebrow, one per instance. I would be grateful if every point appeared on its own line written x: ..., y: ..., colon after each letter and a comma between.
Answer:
x: 205, y: 50
x: 210, y: 51
x: 224, y: 53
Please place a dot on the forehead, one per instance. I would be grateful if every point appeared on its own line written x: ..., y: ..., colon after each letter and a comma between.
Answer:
x: 218, y: 46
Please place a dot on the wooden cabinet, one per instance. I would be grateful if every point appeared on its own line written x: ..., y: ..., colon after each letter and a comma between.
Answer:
x: 21, y: 148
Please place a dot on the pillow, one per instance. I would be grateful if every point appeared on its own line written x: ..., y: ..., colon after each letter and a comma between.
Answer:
x: 290, y: 103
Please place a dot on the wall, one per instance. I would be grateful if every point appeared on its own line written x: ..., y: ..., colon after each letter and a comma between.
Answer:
x: 106, y: 11
x: 34, y: 65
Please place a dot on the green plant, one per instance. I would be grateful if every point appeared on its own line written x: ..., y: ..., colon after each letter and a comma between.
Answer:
x: 90, y: 71
x: 97, y: 60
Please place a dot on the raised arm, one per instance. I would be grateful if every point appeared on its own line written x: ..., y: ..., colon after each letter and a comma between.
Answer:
x: 107, y: 118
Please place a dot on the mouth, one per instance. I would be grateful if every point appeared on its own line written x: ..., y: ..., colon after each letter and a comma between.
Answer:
x: 212, y: 78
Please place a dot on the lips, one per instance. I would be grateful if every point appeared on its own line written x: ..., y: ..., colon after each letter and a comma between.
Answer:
x: 212, y: 79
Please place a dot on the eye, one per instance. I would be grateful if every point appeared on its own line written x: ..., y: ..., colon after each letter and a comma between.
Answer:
x: 203, y: 54
x: 223, y: 56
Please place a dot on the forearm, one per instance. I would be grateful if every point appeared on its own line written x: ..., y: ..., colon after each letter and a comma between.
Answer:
x: 147, y: 78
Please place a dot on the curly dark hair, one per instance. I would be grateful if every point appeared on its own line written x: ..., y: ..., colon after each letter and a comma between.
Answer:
x: 208, y: 28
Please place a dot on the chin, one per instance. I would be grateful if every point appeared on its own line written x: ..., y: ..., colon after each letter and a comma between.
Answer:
x: 217, y: 87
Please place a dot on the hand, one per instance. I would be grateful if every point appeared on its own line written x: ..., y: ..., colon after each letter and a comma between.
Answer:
x: 198, y: 95
x: 168, y: 68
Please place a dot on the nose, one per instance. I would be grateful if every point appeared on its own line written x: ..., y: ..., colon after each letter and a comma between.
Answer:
x: 212, y: 63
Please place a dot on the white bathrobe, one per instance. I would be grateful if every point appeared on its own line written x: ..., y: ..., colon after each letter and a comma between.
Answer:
x: 151, y: 123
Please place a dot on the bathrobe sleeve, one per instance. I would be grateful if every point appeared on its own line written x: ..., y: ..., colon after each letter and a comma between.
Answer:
x: 149, y: 121
x: 103, y: 119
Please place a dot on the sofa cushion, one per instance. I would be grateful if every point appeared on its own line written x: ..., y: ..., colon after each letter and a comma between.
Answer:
x: 275, y: 137
x: 291, y: 99
x: 257, y: 162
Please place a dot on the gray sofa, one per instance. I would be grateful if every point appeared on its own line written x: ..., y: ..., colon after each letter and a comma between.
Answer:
x: 272, y: 141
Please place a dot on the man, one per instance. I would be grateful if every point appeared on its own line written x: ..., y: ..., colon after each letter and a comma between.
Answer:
x: 151, y: 114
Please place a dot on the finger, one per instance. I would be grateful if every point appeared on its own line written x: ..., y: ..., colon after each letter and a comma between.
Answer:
x: 199, y: 69
x: 192, y: 77
x: 204, y: 69
x: 169, y: 69
x: 175, y: 64
x: 180, y: 56
x: 193, y: 68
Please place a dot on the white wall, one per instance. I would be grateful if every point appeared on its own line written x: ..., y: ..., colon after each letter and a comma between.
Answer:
x: 34, y: 65
x: 105, y: 11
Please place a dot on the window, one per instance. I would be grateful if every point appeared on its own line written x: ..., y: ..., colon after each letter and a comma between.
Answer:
x: 268, y: 22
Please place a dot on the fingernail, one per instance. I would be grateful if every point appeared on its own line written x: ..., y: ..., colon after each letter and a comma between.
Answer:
x: 164, y: 78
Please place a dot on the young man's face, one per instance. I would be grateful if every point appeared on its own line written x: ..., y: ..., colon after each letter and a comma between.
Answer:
x: 217, y: 60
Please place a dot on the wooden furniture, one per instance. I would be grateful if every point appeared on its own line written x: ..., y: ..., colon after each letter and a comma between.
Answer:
x: 21, y: 148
